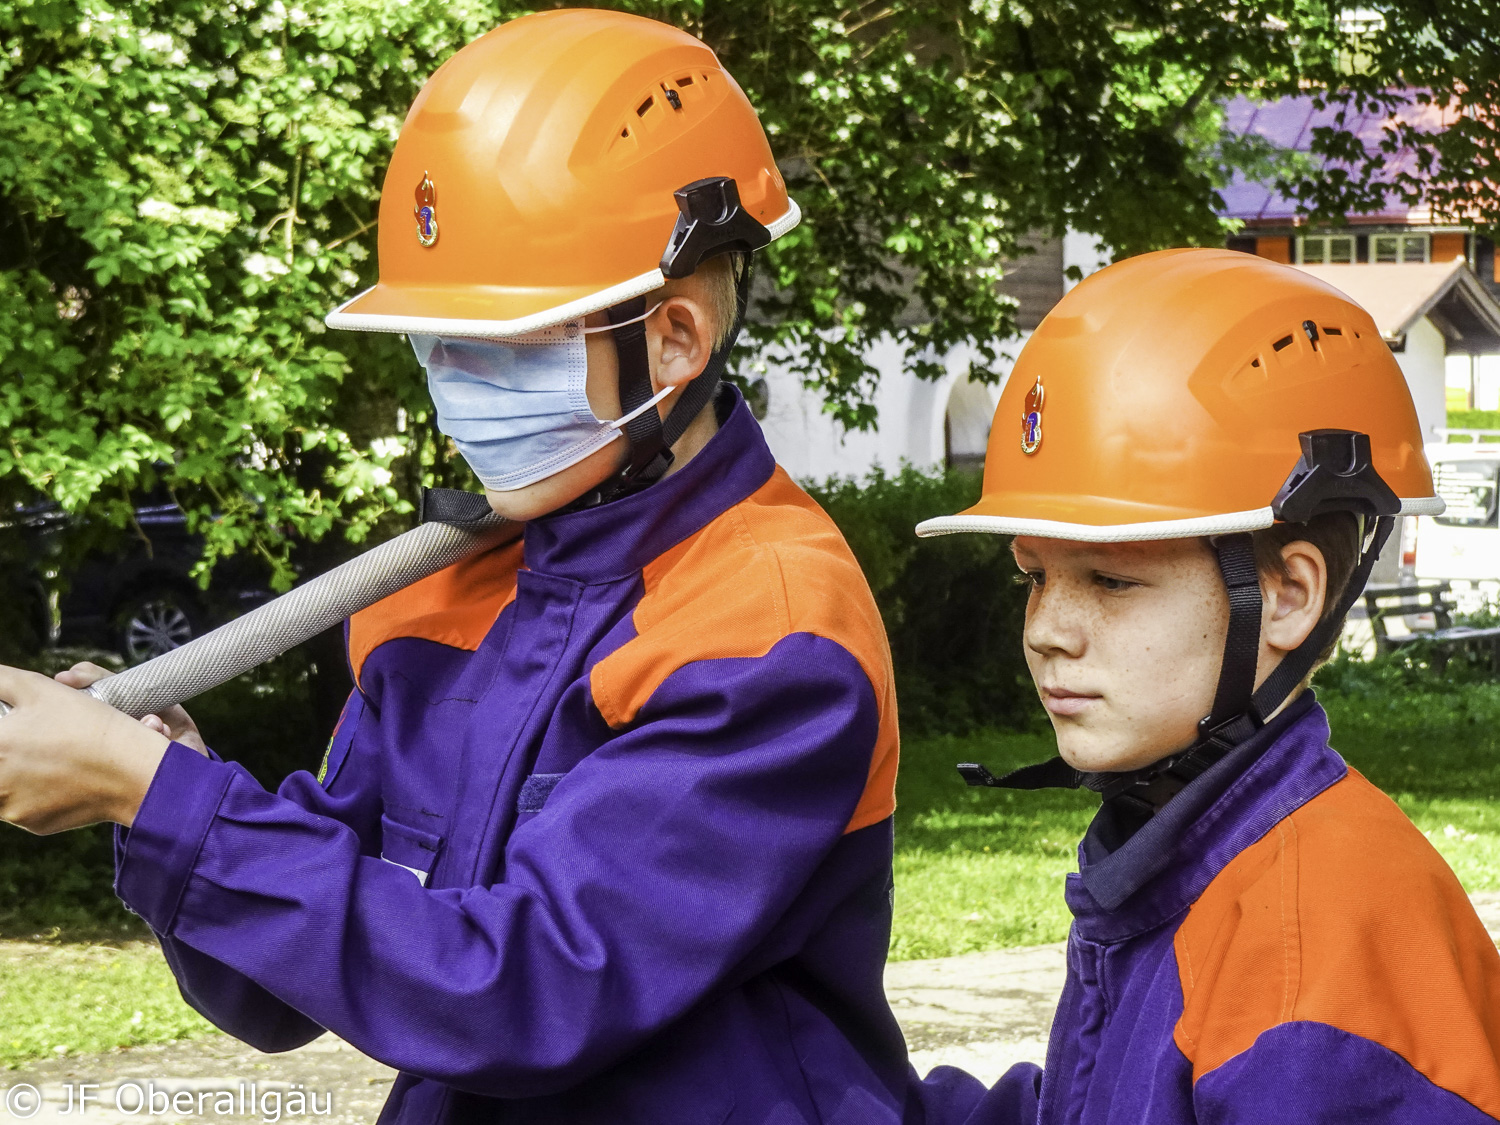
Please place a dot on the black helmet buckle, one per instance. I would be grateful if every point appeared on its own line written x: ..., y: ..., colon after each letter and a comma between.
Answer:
x: 710, y: 222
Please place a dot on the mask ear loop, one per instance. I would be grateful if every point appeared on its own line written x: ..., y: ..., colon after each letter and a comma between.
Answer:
x: 631, y: 416
x: 625, y: 420
x: 623, y: 323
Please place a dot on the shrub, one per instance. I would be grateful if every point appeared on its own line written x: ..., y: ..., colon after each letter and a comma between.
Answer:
x: 949, y: 604
x: 1474, y: 419
x: 1421, y: 668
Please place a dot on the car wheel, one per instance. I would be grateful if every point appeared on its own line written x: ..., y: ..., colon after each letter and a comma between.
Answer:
x: 154, y: 623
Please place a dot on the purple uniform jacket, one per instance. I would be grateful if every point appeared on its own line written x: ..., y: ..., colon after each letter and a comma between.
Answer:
x: 604, y: 834
x: 1278, y: 944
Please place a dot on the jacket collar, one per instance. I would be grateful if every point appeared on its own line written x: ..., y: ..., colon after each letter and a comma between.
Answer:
x: 617, y: 539
x: 1164, y: 867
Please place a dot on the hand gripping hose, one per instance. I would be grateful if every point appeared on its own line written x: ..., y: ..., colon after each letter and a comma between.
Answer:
x: 296, y: 616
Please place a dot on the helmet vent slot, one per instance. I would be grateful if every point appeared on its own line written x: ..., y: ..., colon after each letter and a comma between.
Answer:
x: 688, y: 81
x: 640, y: 110
x: 1284, y: 342
x: 1332, y: 331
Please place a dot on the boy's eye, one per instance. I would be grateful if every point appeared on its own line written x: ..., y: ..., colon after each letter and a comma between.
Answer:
x: 1033, y: 578
x: 1112, y: 584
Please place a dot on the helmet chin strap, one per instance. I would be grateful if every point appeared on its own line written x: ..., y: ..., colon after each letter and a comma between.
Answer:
x: 710, y: 222
x: 1239, y: 708
x: 651, y: 439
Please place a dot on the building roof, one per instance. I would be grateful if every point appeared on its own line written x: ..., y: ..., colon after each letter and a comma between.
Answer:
x: 1398, y: 296
x: 1288, y: 123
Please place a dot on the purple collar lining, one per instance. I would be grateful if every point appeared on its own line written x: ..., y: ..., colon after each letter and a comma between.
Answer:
x: 1162, y: 870
x: 617, y: 539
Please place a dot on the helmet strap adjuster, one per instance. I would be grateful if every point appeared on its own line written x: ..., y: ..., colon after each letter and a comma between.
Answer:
x: 711, y: 222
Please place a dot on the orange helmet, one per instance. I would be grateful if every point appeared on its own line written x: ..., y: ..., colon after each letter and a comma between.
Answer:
x: 1198, y: 392
x: 1201, y: 393
x: 559, y: 165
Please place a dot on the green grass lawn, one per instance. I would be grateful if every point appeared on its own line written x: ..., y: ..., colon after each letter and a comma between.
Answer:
x: 975, y: 869
x: 75, y: 998
x: 983, y: 868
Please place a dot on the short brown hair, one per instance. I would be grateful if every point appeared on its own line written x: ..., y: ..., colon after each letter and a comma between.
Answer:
x: 720, y: 279
x: 1336, y: 534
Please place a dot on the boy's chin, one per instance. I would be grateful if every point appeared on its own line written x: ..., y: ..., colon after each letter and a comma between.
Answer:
x: 561, y: 489
x: 1095, y: 753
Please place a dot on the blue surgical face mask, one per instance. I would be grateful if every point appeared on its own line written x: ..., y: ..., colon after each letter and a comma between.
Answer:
x: 517, y: 409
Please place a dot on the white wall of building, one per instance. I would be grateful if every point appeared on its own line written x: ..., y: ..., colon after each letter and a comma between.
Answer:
x: 1484, y: 370
x: 1084, y: 251
x: 1424, y: 363
x: 912, y: 411
x: 811, y: 445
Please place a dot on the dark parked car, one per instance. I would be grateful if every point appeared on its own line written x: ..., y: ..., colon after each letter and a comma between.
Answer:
x: 137, y: 597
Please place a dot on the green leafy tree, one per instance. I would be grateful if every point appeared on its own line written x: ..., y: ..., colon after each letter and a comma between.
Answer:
x: 185, y: 189
x: 187, y: 186
x: 1432, y: 71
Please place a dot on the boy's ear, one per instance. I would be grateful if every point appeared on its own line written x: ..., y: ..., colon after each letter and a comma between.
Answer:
x: 679, y: 336
x: 1294, y: 600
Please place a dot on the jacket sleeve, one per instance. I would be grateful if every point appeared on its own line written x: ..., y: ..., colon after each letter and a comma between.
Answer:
x: 657, y: 865
x: 949, y: 1094
x: 227, y: 998
x: 1305, y: 1072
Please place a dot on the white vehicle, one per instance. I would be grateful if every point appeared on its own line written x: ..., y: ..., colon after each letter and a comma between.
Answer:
x: 1462, y: 545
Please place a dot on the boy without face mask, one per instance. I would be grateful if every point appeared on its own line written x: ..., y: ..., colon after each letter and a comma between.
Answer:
x: 1124, y: 641
x: 1212, y: 450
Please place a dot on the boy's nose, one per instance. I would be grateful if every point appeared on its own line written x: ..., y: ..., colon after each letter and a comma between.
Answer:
x: 1053, y: 623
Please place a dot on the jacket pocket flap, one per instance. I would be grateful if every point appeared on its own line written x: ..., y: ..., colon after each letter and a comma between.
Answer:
x: 408, y: 847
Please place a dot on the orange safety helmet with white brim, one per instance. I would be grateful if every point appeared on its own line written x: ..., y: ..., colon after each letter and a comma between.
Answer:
x: 1172, y: 390
x: 537, y: 177
x: 1211, y: 393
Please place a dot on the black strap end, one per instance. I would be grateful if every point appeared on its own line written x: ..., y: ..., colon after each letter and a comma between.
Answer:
x: 1054, y: 773
x: 975, y: 774
x: 452, y: 505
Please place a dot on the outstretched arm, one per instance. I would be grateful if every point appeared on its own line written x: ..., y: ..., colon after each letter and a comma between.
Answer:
x: 67, y: 760
x: 655, y: 868
x: 227, y: 997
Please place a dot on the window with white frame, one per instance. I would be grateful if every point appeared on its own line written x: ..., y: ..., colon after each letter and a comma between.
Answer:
x: 1400, y: 247
x: 1325, y: 249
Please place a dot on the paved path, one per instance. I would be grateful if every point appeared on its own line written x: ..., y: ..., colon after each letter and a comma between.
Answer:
x: 982, y: 1012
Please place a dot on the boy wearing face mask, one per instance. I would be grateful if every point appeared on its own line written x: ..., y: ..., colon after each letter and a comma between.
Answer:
x: 604, y: 833
x: 1212, y: 450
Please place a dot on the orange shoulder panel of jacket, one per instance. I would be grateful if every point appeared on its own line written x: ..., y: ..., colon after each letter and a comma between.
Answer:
x: 456, y: 606
x: 1344, y: 914
x: 770, y: 566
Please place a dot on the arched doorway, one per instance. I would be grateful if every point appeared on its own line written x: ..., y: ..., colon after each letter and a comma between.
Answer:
x: 966, y: 424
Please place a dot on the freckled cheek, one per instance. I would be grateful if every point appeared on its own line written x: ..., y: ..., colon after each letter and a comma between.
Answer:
x: 1177, y: 660
x: 1147, y: 652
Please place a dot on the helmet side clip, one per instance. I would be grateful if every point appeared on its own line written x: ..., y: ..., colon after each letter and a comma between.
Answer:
x: 710, y: 222
x: 1334, y: 474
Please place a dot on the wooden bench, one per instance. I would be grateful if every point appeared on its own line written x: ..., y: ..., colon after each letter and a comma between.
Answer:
x: 1412, y: 599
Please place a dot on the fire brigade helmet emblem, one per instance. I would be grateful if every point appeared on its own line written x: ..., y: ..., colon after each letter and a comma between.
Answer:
x: 1031, y: 419
x: 426, y: 211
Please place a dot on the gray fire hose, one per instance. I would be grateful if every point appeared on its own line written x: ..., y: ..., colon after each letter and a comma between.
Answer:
x: 297, y: 616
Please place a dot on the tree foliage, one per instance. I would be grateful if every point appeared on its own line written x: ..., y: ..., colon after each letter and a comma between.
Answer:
x: 1432, y: 72
x: 187, y: 186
